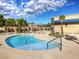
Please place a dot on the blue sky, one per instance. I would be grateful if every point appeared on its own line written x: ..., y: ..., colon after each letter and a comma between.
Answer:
x: 38, y: 11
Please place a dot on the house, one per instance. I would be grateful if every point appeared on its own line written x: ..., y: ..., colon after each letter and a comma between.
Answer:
x: 71, y: 24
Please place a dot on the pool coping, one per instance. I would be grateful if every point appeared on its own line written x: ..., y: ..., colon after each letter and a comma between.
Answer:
x: 29, y: 52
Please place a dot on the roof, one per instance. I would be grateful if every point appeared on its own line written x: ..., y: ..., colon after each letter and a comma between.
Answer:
x: 71, y: 21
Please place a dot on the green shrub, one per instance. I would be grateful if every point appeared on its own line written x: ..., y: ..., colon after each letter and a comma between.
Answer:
x: 18, y: 29
x: 51, y: 34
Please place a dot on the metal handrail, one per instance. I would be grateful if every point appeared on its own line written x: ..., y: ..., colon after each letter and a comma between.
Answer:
x: 50, y: 41
x: 57, y: 36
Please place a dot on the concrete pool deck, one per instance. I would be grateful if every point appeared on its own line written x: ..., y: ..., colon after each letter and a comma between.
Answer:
x: 70, y: 50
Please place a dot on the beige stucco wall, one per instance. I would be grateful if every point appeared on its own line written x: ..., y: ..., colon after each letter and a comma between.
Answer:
x: 73, y: 16
x: 69, y: 29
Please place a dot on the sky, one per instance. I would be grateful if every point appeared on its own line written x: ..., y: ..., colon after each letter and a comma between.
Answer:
x: 38, y: 11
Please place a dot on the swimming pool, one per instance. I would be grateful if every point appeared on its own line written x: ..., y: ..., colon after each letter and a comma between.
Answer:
x: 29, y: 42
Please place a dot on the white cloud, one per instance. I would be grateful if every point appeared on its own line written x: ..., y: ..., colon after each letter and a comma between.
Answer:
x: 31, y: 8
x: 8, y: 7
x: 69, y: 4
x: 28, y: 10
x: 40, y: 6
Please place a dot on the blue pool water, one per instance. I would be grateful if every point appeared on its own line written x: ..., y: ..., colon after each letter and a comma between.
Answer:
x: 28, y: 42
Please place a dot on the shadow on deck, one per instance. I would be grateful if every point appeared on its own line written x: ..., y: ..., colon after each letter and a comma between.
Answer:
x: 72, y: 38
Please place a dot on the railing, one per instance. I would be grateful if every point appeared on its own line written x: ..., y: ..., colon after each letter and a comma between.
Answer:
x: 57, y: 36
x: 49, y: 42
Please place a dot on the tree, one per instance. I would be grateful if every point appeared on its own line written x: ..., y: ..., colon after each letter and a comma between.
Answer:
x: 21, y: 22
x: 52, y: 23
x: 10, y: 22
x: 48, y: 24
x: 2, y: 22
x: 62, y: 17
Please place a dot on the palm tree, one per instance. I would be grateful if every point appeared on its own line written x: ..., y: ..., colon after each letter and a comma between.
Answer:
x: 52, y: 23
x: 62, y: 17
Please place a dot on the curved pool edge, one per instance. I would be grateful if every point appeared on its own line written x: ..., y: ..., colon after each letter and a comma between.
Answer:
x: 26, y: 42
x: 25, y: 52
